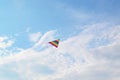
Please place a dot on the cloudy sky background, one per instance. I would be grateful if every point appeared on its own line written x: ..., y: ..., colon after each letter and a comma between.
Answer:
x: 89, y: 33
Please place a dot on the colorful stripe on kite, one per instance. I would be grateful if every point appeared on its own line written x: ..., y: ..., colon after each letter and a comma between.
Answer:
x: 55, y: 43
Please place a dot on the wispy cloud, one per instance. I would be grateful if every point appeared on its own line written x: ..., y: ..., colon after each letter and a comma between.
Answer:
x: 5, y: 42
x: 35, y: 36
x: 48, y: 36
x: 73, y: 60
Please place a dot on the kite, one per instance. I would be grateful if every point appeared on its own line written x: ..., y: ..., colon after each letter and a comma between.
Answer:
x: 55, y: 43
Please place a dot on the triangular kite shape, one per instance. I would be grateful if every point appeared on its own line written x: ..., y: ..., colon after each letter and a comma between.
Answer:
x: 55, y: 43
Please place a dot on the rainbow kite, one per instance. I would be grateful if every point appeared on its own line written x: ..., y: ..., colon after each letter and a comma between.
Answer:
x: 55, y: 43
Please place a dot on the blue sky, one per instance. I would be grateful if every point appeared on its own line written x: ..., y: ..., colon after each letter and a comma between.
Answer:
x: 89, y: 31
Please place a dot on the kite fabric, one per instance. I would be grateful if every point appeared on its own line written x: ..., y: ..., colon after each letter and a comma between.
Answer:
x: 55, y: 43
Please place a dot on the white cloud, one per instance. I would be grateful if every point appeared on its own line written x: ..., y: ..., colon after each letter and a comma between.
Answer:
x: 5, y: 42
x: 48, y: 36
x: 73, y: 60
x: 34, y: 36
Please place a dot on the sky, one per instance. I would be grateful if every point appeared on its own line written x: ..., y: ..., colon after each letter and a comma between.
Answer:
x: 89, y: 33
